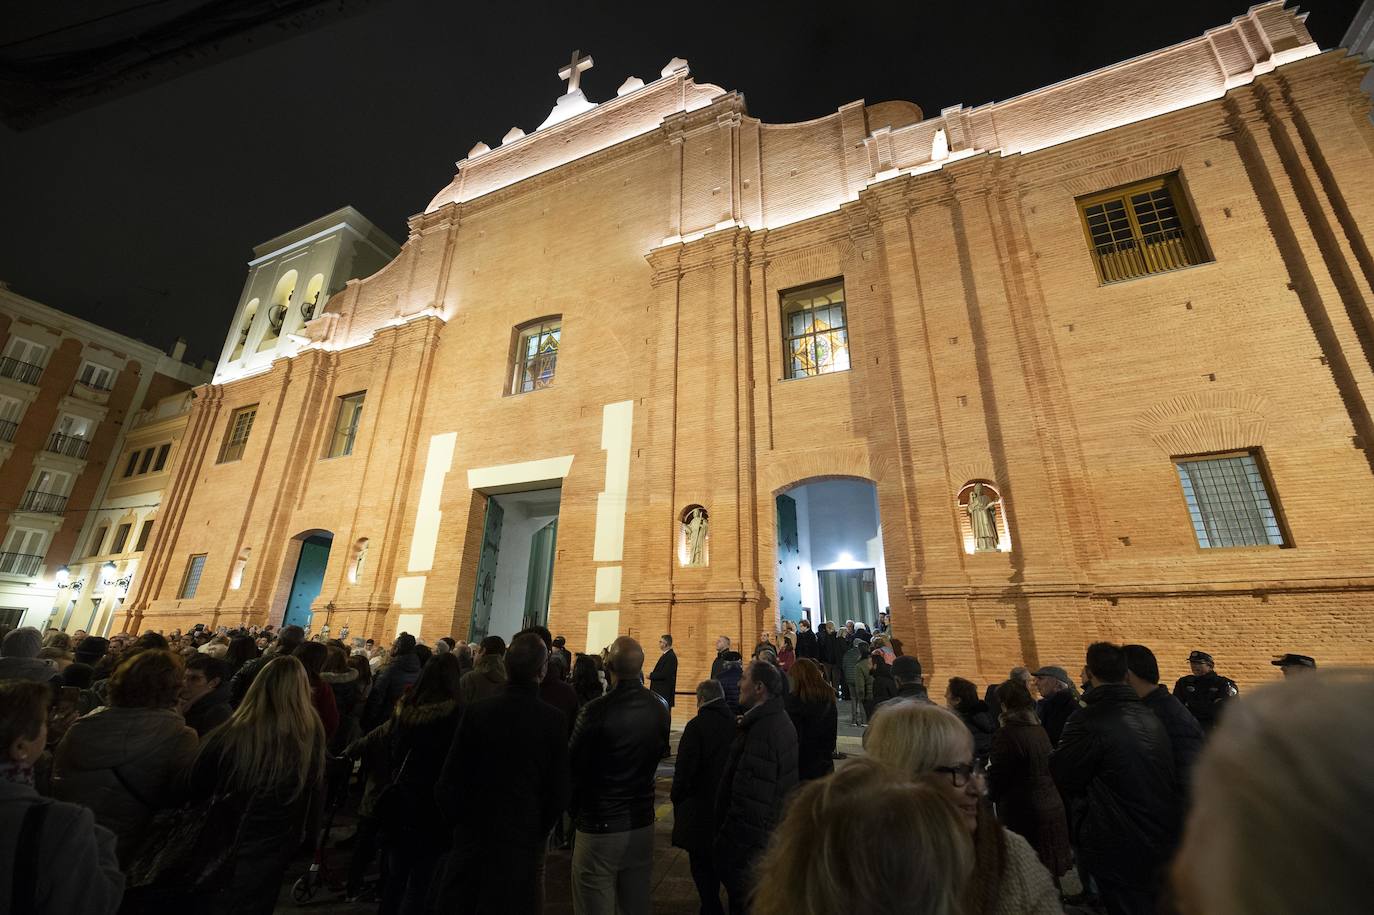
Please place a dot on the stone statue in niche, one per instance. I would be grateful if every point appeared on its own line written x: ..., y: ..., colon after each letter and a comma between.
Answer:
x: 982, y: 518
x: 696, y: 527
x: 359, y: 557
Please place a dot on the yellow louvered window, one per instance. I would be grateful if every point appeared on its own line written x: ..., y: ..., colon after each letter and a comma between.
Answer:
x: 1141, y: 229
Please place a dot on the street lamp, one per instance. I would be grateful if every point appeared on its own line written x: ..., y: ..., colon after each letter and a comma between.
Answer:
x: 107, y: 573
x: 62, y: 575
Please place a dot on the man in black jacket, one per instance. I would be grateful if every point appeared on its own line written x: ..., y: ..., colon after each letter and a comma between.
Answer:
x: 1058, y: 700
x: 724, y: 655
x: 807, y: 646
x: 663, y: 678
x: 287, y: 642
x: 1115, y: 755
x: 701, y: 757
x: 504, y: 784
x: 1185, y: 734
x: 614, y: 753
x: 1204, y: 692
x: 204, y: 697
x: 761, y: 771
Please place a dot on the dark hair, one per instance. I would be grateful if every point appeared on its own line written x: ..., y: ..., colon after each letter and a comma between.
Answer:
x: 78, y: 675
x: 585, y: 679
x: 23, y: 709
x: 1141, y: 662
x: 312, y: 656
x: 558, y: 667
x: 493, y: 644
x: 242, y: 649
x: 424, y: 653
x: 438, y: 682
x: 1014, y: 697
x: 212, y: 667
x: 964, y: 692
x: 149, y: 640
x: 625, y: 658
x: 1107, y: 662
x: 290, y: 637
x: 360, y: 664
x: 667, y: 637
x: 542, y: 631
x: 336, y: 661
x: 525, y: 658
x: 808, y: 683
x: 768, y: 675
x: 150, y: 678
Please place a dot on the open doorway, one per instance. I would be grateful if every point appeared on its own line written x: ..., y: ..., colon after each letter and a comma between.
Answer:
x: 515, y: 573
x: 830, y: 552
x: 308, y: 578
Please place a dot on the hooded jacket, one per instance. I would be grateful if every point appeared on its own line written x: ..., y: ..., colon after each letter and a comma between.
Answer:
x: 391, y: 684
x: 124, y: 764
x: 486, y: 679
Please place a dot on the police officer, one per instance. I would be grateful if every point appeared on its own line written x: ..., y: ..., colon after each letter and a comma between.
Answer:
x: 1294, y: 664
x: 1204, y: 691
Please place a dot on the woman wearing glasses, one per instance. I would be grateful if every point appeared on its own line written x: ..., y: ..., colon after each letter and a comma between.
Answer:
x: 937, y: 749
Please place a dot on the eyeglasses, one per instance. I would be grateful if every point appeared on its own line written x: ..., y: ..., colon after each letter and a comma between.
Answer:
x: 960, y: 776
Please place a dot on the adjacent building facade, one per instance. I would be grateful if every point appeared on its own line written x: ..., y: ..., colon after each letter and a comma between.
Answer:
x: 69, y: 392
x: 1092, y: 362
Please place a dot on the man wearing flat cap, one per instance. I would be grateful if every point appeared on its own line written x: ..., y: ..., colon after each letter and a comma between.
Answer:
x: 1294, y: 665
x: 1204, y: 691
x: 1058, y: 700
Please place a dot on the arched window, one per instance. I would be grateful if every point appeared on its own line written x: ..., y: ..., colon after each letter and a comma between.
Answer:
x: 245, y: 328
x: 279, y: 307
x: 982, y: 518
x: 536, y: 354
x: 236, y: 576
x: 310, y: 304
x: 694, y: 537
x: 355, y: 567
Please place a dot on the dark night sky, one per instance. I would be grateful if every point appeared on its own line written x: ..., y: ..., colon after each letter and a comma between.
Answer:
x: 139, y: 214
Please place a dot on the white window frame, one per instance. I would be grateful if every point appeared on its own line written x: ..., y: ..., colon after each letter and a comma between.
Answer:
x: 91, y: 373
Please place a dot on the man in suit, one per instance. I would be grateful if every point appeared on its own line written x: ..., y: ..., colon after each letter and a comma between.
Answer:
x: 663, y: 679
x: 701, y: 758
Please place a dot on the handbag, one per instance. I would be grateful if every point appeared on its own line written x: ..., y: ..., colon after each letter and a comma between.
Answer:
x: 191, y: 847
x: 396, y: 807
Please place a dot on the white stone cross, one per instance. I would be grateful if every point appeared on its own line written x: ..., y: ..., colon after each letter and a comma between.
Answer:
x: 573, y: 71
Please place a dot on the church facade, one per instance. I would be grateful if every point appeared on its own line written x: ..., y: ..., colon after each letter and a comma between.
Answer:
x: 1092, y: 362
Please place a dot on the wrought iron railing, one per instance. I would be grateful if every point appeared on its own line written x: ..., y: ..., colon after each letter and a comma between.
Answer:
x: 1157, y: 253
x: 7, y: 430
x: 96, y: 384
x: 46, y: 502
x: 69, y: 445
x: 26, y: 372
x: 20, y: 564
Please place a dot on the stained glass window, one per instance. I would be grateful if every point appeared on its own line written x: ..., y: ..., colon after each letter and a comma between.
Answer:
x: 536, y: 356
x: 1228, y: 501
x: 816, y: 338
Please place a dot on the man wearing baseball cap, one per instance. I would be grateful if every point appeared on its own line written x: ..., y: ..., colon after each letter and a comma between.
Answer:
x: 1203, y: 692
x: 1294, y: 665
x: 1058, y: 700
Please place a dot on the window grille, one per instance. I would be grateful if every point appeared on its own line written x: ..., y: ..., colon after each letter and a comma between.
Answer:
x: 1228, y: 501
x: 192, y: 579
x: 816, y: 336
x: 1141, y: 229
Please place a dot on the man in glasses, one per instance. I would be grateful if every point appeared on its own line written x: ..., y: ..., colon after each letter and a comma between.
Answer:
x: 1114, y: 757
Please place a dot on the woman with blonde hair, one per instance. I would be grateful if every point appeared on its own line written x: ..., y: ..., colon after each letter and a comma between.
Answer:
x: 269, y: 757
x: 934, y: 747
x: 1281, y: 812
x: 865, y: 840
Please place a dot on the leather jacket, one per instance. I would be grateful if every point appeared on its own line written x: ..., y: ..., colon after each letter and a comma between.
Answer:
x: 614, y: 751
x: 1115, y: 758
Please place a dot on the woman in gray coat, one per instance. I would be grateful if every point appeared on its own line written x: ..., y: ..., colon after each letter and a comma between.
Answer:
x: 127, y: 760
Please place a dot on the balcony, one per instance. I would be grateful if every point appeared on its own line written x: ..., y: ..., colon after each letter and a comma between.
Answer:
x: 20, y: 564
x: 1157, y: 253
x: 91, y: 392
x: 47, y: 503
x: 24, y: 372
x: 68, y: 445
x: 7, y: 430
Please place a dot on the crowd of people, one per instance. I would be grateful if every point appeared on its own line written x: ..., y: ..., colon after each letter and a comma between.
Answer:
x: 192, y: 769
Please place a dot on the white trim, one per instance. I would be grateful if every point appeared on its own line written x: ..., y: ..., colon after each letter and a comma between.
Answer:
x: 547, y: 470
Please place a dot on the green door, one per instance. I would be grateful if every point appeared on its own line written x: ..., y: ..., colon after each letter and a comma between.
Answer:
x: 486, y: 573
x: 789, y: 561
x: 539, y: 585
